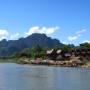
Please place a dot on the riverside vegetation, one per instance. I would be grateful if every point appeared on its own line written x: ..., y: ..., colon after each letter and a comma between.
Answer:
x: 67, y: 56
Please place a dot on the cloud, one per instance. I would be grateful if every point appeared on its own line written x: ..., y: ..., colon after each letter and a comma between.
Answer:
x: 14, y: 36
x: 43, y: 30
x: 81, y: 31
x: 3, y: 34
x: 86, y: 41
x: 2, y: 37
x: 64, y: 42
x: 72, y: 38
x: 77, y: 35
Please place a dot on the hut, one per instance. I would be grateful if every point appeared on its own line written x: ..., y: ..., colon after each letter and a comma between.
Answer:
x: 59, y: 56
x: 51, y: 54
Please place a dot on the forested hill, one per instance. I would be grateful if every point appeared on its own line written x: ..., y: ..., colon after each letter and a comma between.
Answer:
x: 11, y: 47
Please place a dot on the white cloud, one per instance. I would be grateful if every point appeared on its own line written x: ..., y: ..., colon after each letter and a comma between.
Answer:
x: 86, y: 41
x: 3, y: 34
x: 72, y: 38
x: 2, y: 37
x: 14, y: 36
x: 77, y: 35
x: 43, y: 30
x: 81, y: 31
x: 64, y: 42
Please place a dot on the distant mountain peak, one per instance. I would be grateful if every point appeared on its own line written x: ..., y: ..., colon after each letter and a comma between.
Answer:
x: 13, y: 46
x: 37, y: 34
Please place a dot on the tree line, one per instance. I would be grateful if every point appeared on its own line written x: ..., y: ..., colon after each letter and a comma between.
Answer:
x: 38, y: 51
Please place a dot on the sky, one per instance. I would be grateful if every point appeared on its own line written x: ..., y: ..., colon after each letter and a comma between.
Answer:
x: 66, y: 20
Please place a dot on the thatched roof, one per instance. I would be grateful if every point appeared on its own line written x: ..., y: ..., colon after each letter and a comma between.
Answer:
x: 50, y: 51
x: 59, y: 51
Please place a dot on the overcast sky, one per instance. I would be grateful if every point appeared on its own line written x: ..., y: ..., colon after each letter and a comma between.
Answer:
x: 66, y: 20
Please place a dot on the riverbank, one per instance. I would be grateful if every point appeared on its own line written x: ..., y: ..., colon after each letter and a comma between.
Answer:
x: 11, y: 60
x: 71, y: 63
x: 87, y: 65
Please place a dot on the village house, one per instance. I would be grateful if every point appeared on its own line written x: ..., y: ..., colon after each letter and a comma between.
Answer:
x: 57, y: 54
x: 51, y: 54
x: 83, y: 52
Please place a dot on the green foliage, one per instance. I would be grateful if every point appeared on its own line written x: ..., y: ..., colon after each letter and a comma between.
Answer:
x: 67, y: 48
x: 85, y: 46
x: 32, y: 53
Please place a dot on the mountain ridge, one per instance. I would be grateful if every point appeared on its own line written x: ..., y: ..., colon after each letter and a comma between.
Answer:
x: 11, y: 47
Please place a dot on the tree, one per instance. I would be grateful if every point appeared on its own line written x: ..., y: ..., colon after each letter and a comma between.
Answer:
x: 85, y: 46
x: 67, y: 48
x: 39, y: 51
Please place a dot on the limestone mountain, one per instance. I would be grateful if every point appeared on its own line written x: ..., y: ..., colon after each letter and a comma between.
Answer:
x: 11, y: 47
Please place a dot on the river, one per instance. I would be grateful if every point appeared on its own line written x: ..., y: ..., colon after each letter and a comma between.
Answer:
x: 26, y: 77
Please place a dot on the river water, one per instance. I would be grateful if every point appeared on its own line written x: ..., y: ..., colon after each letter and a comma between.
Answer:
x: 26, y: 77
